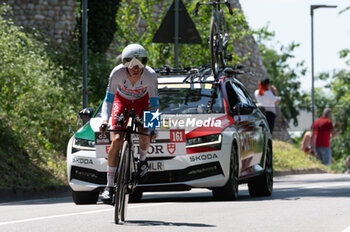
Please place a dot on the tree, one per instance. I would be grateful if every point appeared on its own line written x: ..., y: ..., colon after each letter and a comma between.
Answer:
x: 283, y: 75
x: 132, y: 14
x: 101, y: 23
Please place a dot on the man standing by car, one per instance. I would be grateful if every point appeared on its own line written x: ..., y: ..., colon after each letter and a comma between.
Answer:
x: 132, y: 85
x: 321, y: 132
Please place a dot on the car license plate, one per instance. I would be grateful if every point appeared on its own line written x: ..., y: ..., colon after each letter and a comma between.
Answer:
x: 155, y: 166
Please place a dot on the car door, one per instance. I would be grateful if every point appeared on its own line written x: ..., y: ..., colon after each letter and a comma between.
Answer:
x: 250, y: 129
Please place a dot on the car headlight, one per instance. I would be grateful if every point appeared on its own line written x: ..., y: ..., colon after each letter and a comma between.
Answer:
x: 83, y: 144
x: 208, y: 140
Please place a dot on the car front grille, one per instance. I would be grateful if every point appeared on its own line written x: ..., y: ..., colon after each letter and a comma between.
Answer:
x: 187, y: 174
x: 88, y: 175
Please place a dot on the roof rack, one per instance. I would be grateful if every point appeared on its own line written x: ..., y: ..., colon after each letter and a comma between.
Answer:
x: 200, y: 74
x: 168, y: 70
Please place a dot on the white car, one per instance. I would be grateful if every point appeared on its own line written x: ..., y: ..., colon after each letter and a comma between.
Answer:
x: 212, y: 135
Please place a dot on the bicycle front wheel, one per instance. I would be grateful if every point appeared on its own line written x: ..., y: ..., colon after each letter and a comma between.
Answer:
x: 121, y: 185
x: 215, y: 41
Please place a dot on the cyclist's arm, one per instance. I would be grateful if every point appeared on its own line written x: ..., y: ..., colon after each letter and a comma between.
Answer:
x: 153, y: 93
x: 110, y: 94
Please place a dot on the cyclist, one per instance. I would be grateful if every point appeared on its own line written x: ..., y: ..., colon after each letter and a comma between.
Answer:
x: 132, y: 85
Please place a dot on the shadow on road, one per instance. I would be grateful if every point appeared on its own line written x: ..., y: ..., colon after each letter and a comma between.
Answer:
x: 162, y: 223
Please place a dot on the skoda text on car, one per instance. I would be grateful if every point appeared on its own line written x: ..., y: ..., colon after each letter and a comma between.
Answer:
x: 211, y: 135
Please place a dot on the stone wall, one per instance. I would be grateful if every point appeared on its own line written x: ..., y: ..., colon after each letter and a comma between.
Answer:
x: 54, y: 18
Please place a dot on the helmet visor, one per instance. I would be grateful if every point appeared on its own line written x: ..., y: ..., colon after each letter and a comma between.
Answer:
x: 135, y: 61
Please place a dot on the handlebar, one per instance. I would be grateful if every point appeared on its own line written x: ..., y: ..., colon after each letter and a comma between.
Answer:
x: 214, y: 3
x: 229, y: 7
x: 121, y: 120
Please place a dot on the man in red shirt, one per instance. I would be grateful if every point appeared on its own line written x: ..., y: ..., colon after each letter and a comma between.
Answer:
x: 321, y: 132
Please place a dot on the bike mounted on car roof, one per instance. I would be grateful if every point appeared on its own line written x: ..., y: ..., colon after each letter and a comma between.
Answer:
x: 218, y: 37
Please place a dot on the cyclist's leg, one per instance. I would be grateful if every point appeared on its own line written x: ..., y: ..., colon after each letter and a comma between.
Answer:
x: 142, y: 104
x: 113, y: 152
x: 113, y: 157
x: 144, y: 145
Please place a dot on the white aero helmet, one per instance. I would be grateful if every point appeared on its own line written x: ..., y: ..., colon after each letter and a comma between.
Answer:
x: 134, y: 55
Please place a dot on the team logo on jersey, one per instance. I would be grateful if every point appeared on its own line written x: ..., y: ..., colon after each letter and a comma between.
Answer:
x: 137, y: 93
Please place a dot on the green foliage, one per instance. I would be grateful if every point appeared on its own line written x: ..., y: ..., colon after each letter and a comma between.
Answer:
x: 283, y: 75
x: 101, y: 23
x: 139, y: 11
x: 287, y: 157
x: 33, y: 104
x: 340, y: 89
x: 99, y: 67
x: 344, y: 53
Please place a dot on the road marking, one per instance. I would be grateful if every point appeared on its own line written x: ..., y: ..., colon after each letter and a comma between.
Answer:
x: 75, y: 214
x: 306, y: 186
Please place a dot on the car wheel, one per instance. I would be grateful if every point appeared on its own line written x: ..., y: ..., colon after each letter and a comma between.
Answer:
x: 82, y: 198
x: 263, y: 185
x: 135, y: 197
x: 230, y: 190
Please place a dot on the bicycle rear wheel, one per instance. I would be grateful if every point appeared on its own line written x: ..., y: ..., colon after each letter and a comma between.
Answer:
x: 121, y: 185
x: 215, y: 41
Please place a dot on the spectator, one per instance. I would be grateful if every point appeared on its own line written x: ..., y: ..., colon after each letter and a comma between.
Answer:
x: 268, y: 99
x: 321, y: 132
x: 347, y: 165
x: 306, y: 142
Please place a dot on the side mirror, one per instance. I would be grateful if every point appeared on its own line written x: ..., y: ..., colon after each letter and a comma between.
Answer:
x: 243, y: 108
x: 86, y: 114
x: 261, y: 108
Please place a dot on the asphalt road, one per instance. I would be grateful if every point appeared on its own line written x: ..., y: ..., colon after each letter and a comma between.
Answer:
x: 314, y: 202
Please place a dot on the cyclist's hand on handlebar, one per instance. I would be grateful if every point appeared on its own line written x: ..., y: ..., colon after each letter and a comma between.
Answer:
x: 104, y: 126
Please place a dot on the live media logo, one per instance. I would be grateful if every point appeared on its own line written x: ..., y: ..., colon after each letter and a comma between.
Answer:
x: 151, y: 119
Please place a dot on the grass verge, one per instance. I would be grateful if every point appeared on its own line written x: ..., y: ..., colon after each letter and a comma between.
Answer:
x: 286, y: 157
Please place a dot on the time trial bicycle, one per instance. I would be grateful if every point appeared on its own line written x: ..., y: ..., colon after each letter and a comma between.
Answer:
x: 126, y: 176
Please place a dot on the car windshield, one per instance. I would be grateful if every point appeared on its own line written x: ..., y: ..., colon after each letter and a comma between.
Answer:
x: 186, y: 99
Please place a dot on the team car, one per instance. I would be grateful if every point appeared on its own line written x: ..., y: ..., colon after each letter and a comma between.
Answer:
x: 211, y: 135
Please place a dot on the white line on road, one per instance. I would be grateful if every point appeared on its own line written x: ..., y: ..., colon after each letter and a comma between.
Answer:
x: 74, y: 214
x: 326, y: 185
